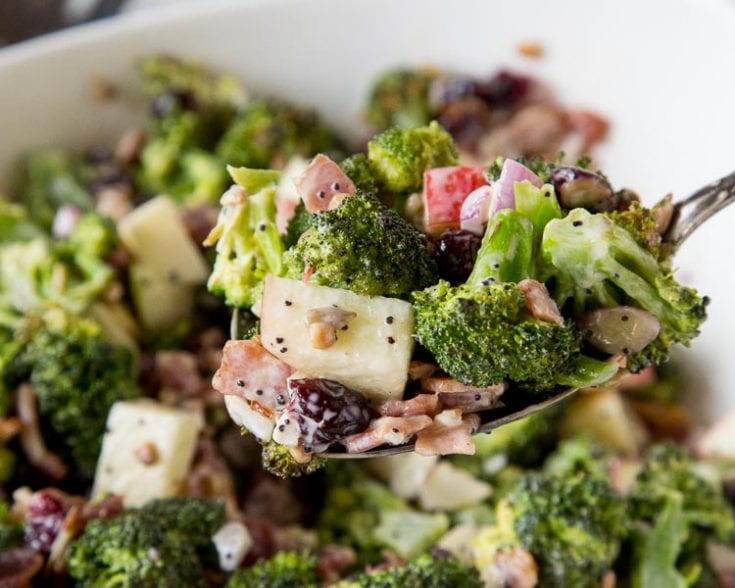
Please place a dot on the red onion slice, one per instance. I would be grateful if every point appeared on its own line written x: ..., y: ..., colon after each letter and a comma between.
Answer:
x: 474, y: 212
x: 504, y: 188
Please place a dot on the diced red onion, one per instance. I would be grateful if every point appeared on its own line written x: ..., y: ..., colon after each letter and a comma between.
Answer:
x: 504, y: 188
x: 474, y: 212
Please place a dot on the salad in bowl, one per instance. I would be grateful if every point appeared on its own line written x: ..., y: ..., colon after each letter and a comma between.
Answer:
x: 193, y: 321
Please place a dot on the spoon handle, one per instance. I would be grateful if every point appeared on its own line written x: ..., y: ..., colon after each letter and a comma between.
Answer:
x: 693, y: 211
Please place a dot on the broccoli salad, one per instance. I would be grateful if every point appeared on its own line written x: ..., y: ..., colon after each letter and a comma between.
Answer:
x: 190, y: 318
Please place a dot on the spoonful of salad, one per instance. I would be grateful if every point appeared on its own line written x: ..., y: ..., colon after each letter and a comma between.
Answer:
x: 357, y: 334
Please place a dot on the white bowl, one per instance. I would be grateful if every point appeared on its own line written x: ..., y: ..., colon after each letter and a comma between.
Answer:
x: 661, y: 70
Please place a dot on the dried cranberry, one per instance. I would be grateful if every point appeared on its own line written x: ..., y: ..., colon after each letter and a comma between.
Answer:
x: 19, y: 566
x: 455, y: 255
x: 580, y: 188
x: 327, y: 411
x: 503, y: 90
x: 45, y: 515
x: 448, y: 89
x: 467, y: 120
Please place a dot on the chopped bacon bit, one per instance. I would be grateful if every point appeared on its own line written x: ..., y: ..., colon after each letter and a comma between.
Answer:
x: 592, y: 127
x: 179, y: 370
x: 665, y: 420
x: 31, y: 439
x: 249, y: 371
x: 513, y: 567
x: 260, y: 409
x: 308, y: 272
x: 427, y: 404
x: 609, y: 580
x: 19, y: 566
x: 210, y: 477
x: 539, y: 303
x: 333, y: 561
x: 418, y: 370
x: 320, y: 182
x: 386, y: 430
x: 442, y: 440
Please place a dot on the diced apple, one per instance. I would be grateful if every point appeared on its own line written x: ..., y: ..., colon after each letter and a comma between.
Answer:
x: 405, y: 473
x: 157, y: 238
x: 160, y: 302
x: 458, y: 542
x: 449, y: 488
x: 445, y: 189
x: 718, y: 441
x: 371, y: 355
x: 146, y: 451
x: 606, y: 418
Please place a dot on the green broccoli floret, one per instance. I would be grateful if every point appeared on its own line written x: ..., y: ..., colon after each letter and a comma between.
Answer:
x: 11, y: 530
x: 163, y: 75
x: 429, y: 570
x: 481, y: 332
x: 76, y: 375
x: 641, y: 224
x: 285, y: 569
x: 572, y: 524
x: 277, y: 460
x: 364, y: 247
x: 400, y: 98
x: 597, y: 263
x: 15, y: 224
x: 669, y: 469
x: 353, y: 507
x: 267, y: 133
x: 166, y: 543
x: 248, y: 243
x: 658, y: 548
x: 399, y: 157
x: 54, y: 177
x: 358, y: 169
x: 301, y: 221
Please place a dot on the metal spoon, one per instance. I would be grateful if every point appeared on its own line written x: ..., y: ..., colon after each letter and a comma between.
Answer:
x: 686, y: 216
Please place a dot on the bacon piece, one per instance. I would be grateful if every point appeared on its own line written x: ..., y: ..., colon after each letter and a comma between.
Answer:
x: 446, y: 384
x: 418, y: 370
x: 427, y: 404
x: 19, y: 566
x: 513, y: 567
x: 444, y: 437
x: 539, y: 303
x: 320, y: 182
x: 179, y: 370
x: 333, y: 561
x: 250, y: 372
x: 386, y: 430
x: 31, y: 439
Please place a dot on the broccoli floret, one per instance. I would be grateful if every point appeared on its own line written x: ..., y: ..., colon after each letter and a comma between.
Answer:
x: 364, y: 247
x: 165, y: 543
x: 11, y: 530
x: 285, y: 569
x: 641, y: 224
x: 54, y: 178
x: 657, y: 548
x: 400, y: 98
x: 669, y: 469
x: 15, y: 224
x: 358, y: 169
x: 248, y: 243
x: 301, y: 221
x: 399, y: 157
x: 190, y: 82
x: 572, y: 524
x: 430, y: 570
x: 597, y: 263
x: 277, y: 460
x: 267, y: 133
x: 76, y: 375
x: 352, y: 510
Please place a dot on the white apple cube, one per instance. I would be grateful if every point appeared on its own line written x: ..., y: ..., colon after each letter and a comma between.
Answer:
x: 147, y: 451
x: 370, y: 356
